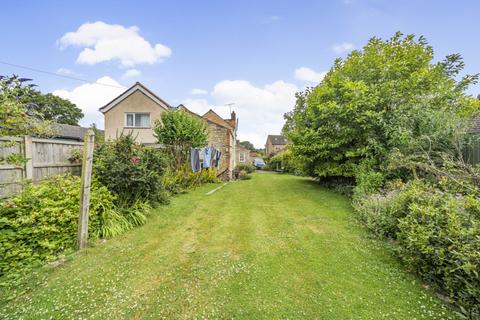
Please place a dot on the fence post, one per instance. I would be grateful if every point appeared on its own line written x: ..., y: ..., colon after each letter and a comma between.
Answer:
x: 88, y: 145
x: 28, y: 145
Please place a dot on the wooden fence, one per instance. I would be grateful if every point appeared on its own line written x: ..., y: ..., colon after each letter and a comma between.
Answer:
x: 45, y: 157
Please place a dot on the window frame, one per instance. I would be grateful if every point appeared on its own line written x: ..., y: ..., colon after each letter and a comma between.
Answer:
x: 134, y: 117
x: 240, y: 157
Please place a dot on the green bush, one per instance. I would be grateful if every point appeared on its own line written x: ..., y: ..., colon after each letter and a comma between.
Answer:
x: 249, y: 168
x: 380, y: 212
x: 181, y: 179
x: 439, y: 238
x: 437, y: 232
x: 283, y: 161
x: 130, y: 170
x: 244, y: 175
x: 40, y: 224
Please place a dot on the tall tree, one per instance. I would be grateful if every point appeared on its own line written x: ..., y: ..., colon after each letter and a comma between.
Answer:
x: 248, y: 145
x: 55, y: 109
x: 18, y: 117
x: 388, y: 97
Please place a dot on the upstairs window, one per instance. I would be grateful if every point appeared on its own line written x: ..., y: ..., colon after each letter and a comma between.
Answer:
x: 137, y: 120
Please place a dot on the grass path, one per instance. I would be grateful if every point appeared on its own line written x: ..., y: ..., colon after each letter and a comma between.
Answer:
x: 274, y: 247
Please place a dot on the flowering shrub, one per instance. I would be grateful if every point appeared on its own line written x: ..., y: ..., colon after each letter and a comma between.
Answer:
x: 130, y: 170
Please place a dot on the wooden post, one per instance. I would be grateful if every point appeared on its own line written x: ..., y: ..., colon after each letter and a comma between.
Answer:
x: 28, y: 146
x: 89, y: 142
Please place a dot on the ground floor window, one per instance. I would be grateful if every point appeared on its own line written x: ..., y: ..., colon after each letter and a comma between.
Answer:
x: 242, y: 157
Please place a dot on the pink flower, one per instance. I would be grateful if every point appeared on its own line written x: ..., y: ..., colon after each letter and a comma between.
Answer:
x: 135, y: 160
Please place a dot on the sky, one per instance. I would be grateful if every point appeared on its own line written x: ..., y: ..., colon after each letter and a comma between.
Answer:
x: 210, y: 54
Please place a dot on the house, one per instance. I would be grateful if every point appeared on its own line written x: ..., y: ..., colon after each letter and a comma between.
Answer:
x: 275, y: 144
x: 222, y: 134
x: 134, y: 111
x: 242, y: 154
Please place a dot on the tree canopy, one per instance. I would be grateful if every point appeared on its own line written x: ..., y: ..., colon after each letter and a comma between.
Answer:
x: 18, y: 117
x: 248, y: 145
x: 55, y: 109
x: 388, y: 97
x: 178, y: 131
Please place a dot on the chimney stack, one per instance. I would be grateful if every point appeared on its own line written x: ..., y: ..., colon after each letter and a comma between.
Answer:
x: 233, y: 116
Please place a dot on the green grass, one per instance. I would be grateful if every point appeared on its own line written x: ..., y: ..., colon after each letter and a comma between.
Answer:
x: 273, y: 247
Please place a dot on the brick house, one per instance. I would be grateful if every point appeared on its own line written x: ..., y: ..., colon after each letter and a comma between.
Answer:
x: 243, y: 154
x: 136, y: 110
x: 275, y: 144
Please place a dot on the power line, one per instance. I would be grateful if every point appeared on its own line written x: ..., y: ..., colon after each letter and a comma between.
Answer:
x: 60, y: 75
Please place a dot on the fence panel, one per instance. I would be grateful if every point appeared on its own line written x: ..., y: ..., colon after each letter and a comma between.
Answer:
x: 46, y: 157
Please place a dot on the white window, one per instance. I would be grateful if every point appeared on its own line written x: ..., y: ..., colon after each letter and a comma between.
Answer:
x: 242, y: 156
x: 137, y: 120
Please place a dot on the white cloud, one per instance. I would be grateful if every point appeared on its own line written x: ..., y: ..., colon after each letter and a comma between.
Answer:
x: 259, y: 109
x: 197, y: 91
x: 199, y: 106
x: 309, y: 75
x: 131, y: 73
x: 104, y: 42
x: 66, y: 72
x: 91, y: 96
x: 343, y: 47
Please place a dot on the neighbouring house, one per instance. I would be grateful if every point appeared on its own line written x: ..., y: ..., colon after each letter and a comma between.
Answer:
x: 275, y: 144
x: 242, y: 154
x: 222, y: 134
x: 134, y: 111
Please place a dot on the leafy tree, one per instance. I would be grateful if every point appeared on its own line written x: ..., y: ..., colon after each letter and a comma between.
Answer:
x: 178, y: 131
x: 248, y: 145
x: 386, y: 99
x: 55, y: 109
x: 18, y: 117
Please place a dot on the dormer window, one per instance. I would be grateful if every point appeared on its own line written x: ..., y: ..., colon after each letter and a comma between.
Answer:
x: 137, y: 120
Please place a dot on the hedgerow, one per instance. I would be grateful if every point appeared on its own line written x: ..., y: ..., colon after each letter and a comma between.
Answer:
x: 40, y: 224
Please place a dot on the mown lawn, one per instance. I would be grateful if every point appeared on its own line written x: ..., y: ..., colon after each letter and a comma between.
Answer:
x: 274, y: 247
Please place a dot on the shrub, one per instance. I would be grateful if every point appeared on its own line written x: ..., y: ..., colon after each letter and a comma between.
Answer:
x: 439, y: 238
x: 380, y: 212
x: 130, y: 170
x: 249, y: 168
x: 116, y: 222
x: 181, y: 179
x: 40, y: 223
x: 243, y: 175
x: 437, y: 231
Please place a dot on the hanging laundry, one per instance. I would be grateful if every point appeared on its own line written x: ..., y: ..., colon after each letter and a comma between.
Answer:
x: 218, y: 155
x: 195, y: 159
x: 207, y: 157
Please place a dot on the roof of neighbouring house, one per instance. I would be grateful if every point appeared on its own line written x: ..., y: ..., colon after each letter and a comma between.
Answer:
x: 277, y: 139
x: 66, y: 131
x: 215, y: 118
x: 136, y: 87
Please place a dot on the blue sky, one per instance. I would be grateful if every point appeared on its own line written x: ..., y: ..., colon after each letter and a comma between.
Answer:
x: 205, y: 54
